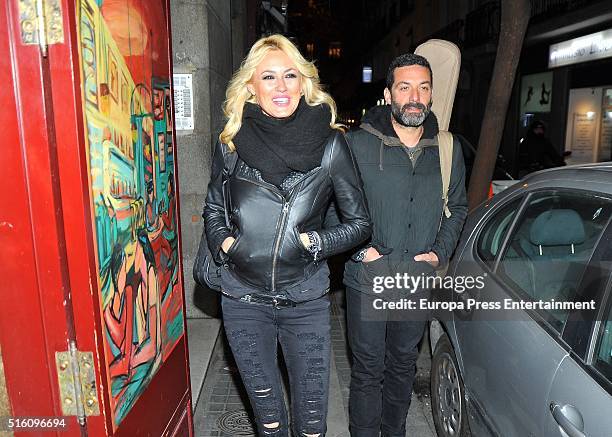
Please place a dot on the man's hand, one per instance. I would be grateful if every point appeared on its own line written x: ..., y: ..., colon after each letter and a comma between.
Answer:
x: 227, y: 243
x: 371, y: 255
x: 430, y: 257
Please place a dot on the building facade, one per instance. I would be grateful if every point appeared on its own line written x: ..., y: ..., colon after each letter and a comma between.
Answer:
x: 398, y: 26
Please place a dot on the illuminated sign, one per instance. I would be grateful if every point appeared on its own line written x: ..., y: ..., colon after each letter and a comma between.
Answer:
x: 586, y: 48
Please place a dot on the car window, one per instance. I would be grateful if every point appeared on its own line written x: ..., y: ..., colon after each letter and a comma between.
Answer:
x: 549, y: 248
x: 603, y: 355
x: 494, y: 232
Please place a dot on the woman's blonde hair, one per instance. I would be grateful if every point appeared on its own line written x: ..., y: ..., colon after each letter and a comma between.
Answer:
x: 237, y: 93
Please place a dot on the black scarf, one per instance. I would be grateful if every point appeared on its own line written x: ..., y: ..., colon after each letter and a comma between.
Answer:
x: 279, y: 146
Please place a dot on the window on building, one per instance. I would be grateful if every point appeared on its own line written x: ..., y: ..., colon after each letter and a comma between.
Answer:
x: 310, y: 49
x: 335, y: 50
x: 366, y: 75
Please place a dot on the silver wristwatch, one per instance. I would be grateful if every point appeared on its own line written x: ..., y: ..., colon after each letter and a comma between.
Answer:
x: 359, y: 256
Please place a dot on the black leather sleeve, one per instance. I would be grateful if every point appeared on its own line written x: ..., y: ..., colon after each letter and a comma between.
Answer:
x: 355, y: 226
x: 331, y: 216
x: 214, y: 208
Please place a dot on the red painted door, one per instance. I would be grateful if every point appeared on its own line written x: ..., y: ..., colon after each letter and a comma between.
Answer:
x: 90, y: 243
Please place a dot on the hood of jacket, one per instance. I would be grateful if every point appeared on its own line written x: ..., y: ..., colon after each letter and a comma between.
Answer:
x: 377, y: 121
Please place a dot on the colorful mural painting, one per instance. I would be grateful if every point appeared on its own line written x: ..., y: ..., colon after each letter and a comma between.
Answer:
x: 127, y: 110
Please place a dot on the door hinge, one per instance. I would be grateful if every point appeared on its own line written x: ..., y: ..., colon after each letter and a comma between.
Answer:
x: 77, y: 383
x: 40, y: 22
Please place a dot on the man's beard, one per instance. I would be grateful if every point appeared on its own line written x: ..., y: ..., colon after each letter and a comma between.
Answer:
x: 410, y: 119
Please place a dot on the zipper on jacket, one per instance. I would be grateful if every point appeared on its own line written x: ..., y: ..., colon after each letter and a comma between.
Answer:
x: 273, y: 187
x: 281, y: 231
x: 263, y: 184
x: 283, y: 224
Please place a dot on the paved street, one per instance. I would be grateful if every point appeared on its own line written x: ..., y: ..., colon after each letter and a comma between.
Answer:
x: 222, y: 408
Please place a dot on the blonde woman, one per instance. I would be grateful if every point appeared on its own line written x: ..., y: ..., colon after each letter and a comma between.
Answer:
x: 292, y: 159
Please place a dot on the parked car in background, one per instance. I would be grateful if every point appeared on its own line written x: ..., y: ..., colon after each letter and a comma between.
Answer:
x: 541, y: 372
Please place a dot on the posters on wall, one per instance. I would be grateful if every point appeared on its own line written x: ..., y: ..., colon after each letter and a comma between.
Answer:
x: 536, y: 92
x: 589, y: 130
x: 127, y: 118
x: 605, y: 141
x: 605, y: 149
x: 583, y: 137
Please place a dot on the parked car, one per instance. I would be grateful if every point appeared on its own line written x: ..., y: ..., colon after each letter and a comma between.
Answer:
x: 540, y: 372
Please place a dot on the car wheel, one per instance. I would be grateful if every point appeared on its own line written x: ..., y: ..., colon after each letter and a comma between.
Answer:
x: 448, y: 393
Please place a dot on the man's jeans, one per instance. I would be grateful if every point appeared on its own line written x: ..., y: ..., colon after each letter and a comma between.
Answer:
x: 384, y: 366
x: 254, y: 331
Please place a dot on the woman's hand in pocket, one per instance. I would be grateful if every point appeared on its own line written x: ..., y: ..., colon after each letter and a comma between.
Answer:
x: 227, y: 243
x: 305, y: 240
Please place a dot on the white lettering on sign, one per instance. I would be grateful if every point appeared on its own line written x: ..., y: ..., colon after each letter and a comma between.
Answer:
x: 586, y: 48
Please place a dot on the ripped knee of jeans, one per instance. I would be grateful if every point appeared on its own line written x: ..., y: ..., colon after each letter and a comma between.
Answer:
x: 271, y: 428
x: 263, y: 393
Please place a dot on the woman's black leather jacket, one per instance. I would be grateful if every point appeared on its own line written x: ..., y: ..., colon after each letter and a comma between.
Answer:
x: 266, y: 223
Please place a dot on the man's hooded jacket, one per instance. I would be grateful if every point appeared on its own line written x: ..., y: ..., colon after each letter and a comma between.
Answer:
x: 403, y: 187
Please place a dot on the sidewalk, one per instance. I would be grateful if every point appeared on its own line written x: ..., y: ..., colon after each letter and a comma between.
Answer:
x: 222, y: 406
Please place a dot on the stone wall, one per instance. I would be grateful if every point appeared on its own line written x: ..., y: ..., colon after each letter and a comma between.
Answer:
x: 208, y: 42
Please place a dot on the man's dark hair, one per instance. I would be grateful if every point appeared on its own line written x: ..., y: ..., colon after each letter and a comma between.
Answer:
x: 406, y: 60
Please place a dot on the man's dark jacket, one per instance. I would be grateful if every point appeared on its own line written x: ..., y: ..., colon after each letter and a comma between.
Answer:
x: 405, y: 199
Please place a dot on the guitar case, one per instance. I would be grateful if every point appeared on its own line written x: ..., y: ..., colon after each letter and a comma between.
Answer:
x: 445, y: 60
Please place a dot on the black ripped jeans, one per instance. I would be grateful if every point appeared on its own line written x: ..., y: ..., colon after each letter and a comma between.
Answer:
x: 254, y: 331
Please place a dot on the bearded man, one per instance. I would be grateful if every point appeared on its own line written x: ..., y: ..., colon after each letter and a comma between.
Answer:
x: 397, y: 152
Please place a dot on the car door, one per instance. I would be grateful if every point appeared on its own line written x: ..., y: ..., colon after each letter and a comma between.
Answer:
x: 580, y: 396
x: 509, y: 357
x: 503, y: 388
